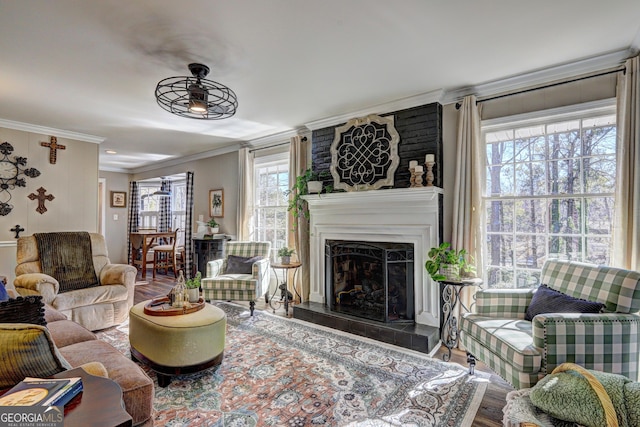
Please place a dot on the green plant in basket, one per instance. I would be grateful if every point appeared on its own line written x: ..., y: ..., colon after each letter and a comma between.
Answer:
x: 445, y: 263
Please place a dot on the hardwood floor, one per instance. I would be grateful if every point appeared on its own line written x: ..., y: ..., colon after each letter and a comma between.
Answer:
x: 489, y: 414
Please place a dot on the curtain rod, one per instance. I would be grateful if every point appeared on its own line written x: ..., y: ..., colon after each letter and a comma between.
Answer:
x: 604, y: 73
x: 304, y: 138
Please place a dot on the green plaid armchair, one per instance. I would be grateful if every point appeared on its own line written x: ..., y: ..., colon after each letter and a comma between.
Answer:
x: 220, y: 285
x: 522, y: 352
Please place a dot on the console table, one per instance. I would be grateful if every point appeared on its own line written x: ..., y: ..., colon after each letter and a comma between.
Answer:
x: 206, y: 250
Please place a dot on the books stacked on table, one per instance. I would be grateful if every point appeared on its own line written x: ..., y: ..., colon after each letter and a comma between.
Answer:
x: 42, y: 392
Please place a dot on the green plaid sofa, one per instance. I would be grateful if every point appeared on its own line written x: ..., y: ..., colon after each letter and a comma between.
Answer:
x: 523, y: 352
x: 238, y: 287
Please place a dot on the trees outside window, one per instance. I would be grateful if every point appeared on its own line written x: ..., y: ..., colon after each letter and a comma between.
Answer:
x: 549, y: 193
x: 270, y: 219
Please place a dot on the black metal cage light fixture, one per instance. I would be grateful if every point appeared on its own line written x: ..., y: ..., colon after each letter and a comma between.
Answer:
x: 196, y: 97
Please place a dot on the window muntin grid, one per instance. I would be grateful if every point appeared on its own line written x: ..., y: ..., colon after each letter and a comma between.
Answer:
x: 549, y: 193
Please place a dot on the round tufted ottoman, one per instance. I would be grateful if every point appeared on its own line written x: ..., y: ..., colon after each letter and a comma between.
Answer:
x: 173, y: 345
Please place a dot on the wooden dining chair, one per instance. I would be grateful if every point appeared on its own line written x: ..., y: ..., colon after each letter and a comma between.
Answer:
x: 164, y: 256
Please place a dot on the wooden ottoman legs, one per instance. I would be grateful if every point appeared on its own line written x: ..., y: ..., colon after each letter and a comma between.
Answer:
x: 252, y: 305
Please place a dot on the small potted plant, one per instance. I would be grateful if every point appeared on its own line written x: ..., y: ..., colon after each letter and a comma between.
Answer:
x: 193, y: 287
x: 445, y: 263
x: 308, y: 183
x: 285, y: 254
x: 214, y: 227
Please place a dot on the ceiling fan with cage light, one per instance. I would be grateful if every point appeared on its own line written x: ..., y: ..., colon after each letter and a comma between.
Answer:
x: 196, y: 97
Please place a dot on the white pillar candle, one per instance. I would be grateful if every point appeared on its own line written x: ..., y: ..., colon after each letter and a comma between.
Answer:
x: 413, y: 164
x: 418, y: 169
x: 430, y: 158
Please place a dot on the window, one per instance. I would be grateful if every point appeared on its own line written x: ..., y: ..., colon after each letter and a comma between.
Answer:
x: 150, y: 205
x: 549, y: 193
x: 270, y: 219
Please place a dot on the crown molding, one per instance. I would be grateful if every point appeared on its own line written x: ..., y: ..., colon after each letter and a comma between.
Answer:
x: 27, y: 127
x: 539, y: 77
x: 274, y: 138
x: 177, y: 161
x: 399, y: 104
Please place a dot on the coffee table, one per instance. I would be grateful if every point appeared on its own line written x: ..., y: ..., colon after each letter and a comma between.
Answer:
x: 100, y: 403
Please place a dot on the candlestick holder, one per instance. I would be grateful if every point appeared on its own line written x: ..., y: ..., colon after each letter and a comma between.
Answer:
x: 412, y: 180
x: 418, y: 179
x: 430, y: 177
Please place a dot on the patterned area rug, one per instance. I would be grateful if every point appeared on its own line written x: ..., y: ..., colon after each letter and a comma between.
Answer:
x: 285, y: 372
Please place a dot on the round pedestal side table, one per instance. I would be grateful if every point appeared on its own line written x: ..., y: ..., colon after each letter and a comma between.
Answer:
x: 285, y: 295
x: 450, y: 300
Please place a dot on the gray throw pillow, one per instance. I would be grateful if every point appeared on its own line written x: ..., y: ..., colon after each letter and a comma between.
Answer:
x: 240, y: 265
x: 547, y: 300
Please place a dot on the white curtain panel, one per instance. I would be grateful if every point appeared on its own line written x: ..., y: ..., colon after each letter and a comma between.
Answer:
x: 245, y: 192
x: 467, y: 191
x: 626, y: 228
x: 299, y: 237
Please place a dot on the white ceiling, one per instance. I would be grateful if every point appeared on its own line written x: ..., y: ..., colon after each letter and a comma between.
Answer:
x: 91, y: 67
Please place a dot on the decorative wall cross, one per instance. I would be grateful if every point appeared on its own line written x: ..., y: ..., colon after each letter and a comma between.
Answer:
x: 53, y: 149
x: 17, y: 229
x: 41, y: 198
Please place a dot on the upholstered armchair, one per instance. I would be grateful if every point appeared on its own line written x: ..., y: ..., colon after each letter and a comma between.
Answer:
x: 243, y: 275
x: 523, y: 352
x: 82, y: 284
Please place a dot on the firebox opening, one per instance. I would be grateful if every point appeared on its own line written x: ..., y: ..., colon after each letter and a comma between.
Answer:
x: 372, y: 280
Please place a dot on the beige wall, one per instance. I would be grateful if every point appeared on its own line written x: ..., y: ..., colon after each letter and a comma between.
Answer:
x: 115, y: 230
x: 72, y: 181
x: 219, y: 172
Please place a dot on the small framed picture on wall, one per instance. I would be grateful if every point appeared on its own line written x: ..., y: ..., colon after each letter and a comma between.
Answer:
x: 216, y: 203
x: 118, y: 199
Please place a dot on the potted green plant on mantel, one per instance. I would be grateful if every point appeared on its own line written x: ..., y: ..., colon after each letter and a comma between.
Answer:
x: 445, y: 263
x: 309, y: 182
x: 285, y: 255
x: 214, y: 227
x: 193, y: 287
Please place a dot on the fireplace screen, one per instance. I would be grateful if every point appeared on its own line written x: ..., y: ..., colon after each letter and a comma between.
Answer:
x: 372, y: 280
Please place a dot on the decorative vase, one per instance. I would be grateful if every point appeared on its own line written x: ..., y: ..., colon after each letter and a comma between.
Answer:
x: 214, y: 230
x: 194, y: 294
x: 450, y: 271
x: 314, y: 187
x: 285, y: 259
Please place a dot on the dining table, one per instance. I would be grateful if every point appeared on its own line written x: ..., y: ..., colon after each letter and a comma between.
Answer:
x: 142, y: 241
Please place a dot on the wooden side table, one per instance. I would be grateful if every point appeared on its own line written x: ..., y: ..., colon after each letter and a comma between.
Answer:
x: 99, y: 404
x: 450, y: 300
x: 284, y: 286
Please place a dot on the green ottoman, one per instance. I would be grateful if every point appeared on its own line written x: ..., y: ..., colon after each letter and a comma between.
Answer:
x: 174, y: 345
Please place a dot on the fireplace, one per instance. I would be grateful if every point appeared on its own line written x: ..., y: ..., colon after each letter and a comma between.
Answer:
x: 394, y: 216
x: 372, y: 280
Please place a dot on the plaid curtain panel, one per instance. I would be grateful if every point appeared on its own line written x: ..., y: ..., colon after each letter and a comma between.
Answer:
x: 134, y: 214
x: 188, y: 228
x: 164, y: 220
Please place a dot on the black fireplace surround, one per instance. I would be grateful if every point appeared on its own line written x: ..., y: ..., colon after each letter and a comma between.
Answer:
x: 371, y: 280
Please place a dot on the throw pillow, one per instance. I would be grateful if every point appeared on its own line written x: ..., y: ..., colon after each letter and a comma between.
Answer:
x: 547, y: 300
x: 240, y: 265
x: 27, y: 351
x: 29, y: 309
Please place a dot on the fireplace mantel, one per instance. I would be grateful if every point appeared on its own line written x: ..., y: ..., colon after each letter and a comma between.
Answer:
x: 405, y: 215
